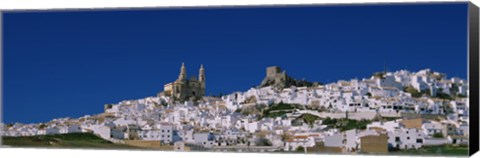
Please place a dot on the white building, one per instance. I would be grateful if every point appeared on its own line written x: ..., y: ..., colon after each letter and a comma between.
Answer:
x: 73, y: 128
x: 404, y: 138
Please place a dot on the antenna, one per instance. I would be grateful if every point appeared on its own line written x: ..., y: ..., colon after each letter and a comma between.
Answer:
x: 384, y: 66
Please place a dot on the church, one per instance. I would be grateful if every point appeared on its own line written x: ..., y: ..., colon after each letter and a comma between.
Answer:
x: 186, y: 89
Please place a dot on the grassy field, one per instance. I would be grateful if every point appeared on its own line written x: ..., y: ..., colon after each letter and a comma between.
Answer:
x: 73, y: 140
x: 443, y: 150
x: 148, y: 144
x: 91, y: 141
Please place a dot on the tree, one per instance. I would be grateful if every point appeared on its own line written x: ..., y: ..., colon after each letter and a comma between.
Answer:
x: 329, y: 121
x: 42, y: 126
x: 300, y: 149
x: 369, y: 94
x: 454, y: 89
x: 263, y: 142
x: 438, y: 135
x: 414, y: 92
x: 9, y: 125
x: 444, y: 96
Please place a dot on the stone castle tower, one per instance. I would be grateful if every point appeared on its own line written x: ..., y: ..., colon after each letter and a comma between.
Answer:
x: 279, y: 79
x: 186, y: 89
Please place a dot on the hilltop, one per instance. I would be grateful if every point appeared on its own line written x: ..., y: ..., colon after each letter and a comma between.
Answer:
x: 281, y: 115
x: 279, y: 79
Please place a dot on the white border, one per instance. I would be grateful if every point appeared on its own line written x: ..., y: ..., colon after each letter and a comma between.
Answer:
x: 18, y: 5
x: 82, y: 153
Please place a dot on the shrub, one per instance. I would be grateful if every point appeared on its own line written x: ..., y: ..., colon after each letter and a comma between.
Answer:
x: 410, y: 89
x: 438, y: 135
x: 300, y: 149
x: 443, y: 96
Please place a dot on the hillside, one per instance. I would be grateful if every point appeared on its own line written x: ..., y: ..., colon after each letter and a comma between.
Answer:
x: 72, y: 140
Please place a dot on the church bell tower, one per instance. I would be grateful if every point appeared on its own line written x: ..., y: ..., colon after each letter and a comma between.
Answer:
x: 183, y: 73
x: 201, y: 78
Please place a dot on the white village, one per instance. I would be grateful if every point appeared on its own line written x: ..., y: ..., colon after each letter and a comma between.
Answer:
x: 379, y: 114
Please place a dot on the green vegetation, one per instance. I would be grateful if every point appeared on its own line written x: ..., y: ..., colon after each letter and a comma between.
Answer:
x: 108, y: 106
x: 329, y: 122
x: 390, y: 118
x: 369, y: 94
x: 273, y: 114
x: 438, y: 135
x: 454, y: 92
x: 415, y: 93
x: 300, y: 149
x: 263, y: 142
x: 72, y: 140
x: 454, y: 89
x: 443, y: 150
x: 42, y: 126
x: 282, y: 106
x: 443, y: 96
x: 345, y: 124
x: 278, y: 110
x: 286, y: 81
x: 8, y: 125
x: 411, y: 90
x: 308, y: 118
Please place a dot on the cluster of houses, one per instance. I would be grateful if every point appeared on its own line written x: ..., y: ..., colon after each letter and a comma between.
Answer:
x: 216, y: 124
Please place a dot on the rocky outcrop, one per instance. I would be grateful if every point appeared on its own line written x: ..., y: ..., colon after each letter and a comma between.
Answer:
x: 279, y: 79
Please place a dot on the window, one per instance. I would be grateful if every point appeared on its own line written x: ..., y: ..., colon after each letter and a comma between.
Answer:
x: 419, y: 140
x: 408, y: 138
x: 397, y: 139
x: 407, y: 132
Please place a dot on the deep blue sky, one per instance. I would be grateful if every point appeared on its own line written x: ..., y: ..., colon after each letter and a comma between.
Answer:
x: 64, y: 63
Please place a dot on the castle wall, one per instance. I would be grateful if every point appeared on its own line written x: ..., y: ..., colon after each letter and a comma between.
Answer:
x: 273, y: 71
